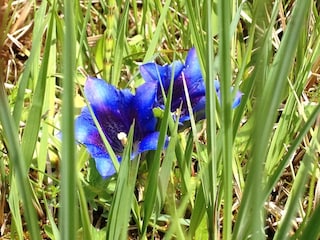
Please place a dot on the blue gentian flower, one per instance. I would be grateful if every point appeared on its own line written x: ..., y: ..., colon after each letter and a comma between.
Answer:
x: 115, y: 111
x: 191, y: 72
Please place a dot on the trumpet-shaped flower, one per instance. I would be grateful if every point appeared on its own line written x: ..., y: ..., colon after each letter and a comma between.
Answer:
x: 190, y: 72
x: 115, y: 111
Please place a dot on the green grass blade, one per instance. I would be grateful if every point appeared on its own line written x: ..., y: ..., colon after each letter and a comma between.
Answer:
x: 224, y: 17
x: 33, y: 61
x: 67, y: 213
x: 294, y: 145
x: 119, y: 214
x: 166, y: 167
x: 18, y: 164
x: 297, y: 190
x: 151, y: 191
x: 120, y: 45
x: 84, y: 213
x: 48, y: 109
x: 157, y: 33
x: 196, y: 27
x: 312, y: 230
x: 31, y: 131
x: 14, y: 204
x: 53, y: 228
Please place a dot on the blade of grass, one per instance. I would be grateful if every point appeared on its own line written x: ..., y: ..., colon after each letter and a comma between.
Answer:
x: 67, y: 213
x: 198, y: 39
x: 14, y: 205
x: 33, y: 61
x: 120, y: 45
x: 31, y: 131
x: 224, y: 17
x: 198, y: 212
x: 299, y: 186
x: 54, y: 227
x: 118, y: 216
x: 151, y: 191
x: 157, y: 33
x: 272, y: 180
x: 166, y: 167
x: 18, y: 165
x: 84, y: 48
x: 48, y: 109
x: 311, y: 230
x: 84, y: 212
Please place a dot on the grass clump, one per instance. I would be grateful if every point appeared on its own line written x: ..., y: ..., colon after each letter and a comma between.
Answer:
x: 251, y: 172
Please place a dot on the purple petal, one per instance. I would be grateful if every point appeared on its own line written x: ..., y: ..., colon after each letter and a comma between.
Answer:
x: 87, y: 133
x: 112, y: 108
x: 105, y: 166
x: 237, y: 99
x: 105, y: 98
x: 102, y: 159
x: 143, y: 105
x: 194, y: 81
x: 217, y: 85
x: 85, y: 129
x: 176, y: 67
x: 199, y: 109
x: 192, y: 70
x: 150, y: 142
x: 155, y: 72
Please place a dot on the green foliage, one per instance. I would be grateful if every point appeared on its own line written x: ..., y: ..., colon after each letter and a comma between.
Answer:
x: 251, y: 172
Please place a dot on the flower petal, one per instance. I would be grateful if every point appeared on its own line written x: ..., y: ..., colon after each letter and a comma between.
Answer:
x: 237, y: 99
x: 112, y: 108
x: 85, y: 129
x: 102, y: 159
x: 176, y: 67
x: 104, y: 97
x: 143, y: 106
x: 154, y: 72
x: 192, y: 69
x: 217, y: 85
x: 150, y: 142
x: 87, y: 133
x: 199, y: 109
x: 191, y: 74
x: 105, y: 166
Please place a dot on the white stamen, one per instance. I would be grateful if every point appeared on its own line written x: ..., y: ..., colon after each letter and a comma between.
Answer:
x: 122, y: 136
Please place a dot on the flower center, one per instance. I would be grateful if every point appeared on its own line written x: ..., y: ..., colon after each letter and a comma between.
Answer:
x: 122, y: 136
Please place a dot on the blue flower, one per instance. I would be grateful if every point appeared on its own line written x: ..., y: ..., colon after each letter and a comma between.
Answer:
x: 115, y: 111
x: 191, y: 72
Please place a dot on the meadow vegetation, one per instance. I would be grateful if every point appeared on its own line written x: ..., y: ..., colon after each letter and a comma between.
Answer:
x: 246, y: 173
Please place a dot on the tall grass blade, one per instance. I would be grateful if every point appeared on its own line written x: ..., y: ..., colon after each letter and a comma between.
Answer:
x: 297, y: 190
x: 311, y: 230
x: 33, y: 61
x: 157, y: 33
x: 151, y: 191
x: 67, y: 213
x: 120, y: 45
x: 119, y: 214
x: 224, y: 17
x: 18, y: 165
x: 31, y: 131
x: 272, y: 180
